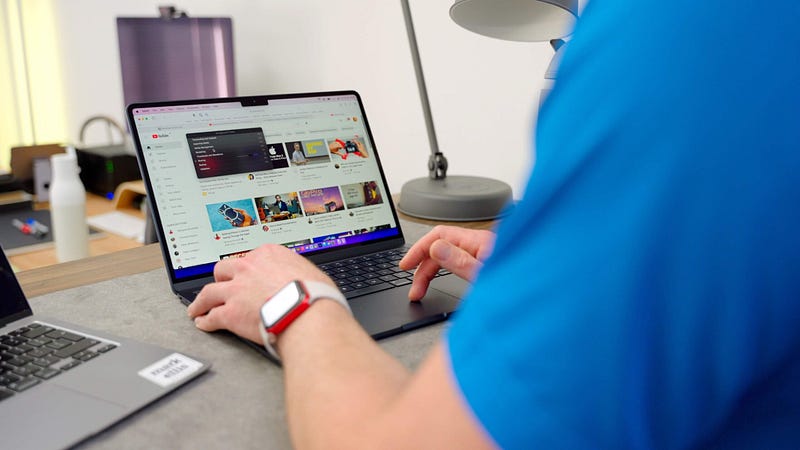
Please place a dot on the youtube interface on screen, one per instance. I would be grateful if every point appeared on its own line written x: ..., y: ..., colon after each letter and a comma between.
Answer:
x: 299, y: 172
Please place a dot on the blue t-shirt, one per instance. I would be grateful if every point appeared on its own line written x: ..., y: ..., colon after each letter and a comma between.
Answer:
x: 645, y: 293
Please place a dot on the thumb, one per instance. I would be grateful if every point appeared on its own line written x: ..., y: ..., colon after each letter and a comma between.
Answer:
x: 454, y: 259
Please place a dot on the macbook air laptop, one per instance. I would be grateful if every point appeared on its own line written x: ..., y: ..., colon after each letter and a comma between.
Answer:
x: 61, y: 383
x: 211, y: 168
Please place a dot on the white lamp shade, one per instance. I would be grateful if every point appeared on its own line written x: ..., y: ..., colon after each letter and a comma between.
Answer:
x: 517, y: 20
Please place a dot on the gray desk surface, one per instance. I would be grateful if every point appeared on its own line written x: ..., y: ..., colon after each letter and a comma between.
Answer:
x: 239, y: 403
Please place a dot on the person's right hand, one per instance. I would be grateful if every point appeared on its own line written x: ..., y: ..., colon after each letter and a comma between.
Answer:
x: 459, y: 250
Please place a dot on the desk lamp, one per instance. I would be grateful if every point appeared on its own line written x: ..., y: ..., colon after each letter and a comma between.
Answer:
x: 469, y: 198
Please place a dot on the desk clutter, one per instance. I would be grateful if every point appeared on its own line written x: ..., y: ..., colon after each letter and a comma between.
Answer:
x: 15, y: 239
x: 30, y: 190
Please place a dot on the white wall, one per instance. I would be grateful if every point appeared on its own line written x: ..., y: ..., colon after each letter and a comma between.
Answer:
x: 483, y: 91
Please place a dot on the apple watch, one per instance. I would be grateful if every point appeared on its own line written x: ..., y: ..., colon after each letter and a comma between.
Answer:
x: 288, y: 303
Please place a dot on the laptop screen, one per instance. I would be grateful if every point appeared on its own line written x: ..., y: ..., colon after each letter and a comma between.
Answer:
x: 228, y: 175
x: 13, y: 304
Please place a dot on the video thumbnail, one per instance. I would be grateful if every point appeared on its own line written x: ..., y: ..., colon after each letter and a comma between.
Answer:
x: 231, y: 215
x: 357, y: 195
x: 277, y: 207
x: 241, y: 254
x: 347, y: 147
x: 308, y: 152
x: 277, y: 155
x: 322, y: 200
x: 371, y: 229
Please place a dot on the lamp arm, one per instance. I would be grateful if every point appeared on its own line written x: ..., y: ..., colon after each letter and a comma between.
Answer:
x: 437, y: 163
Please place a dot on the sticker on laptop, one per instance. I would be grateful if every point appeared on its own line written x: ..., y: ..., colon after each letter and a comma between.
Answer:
x: 170, y: 370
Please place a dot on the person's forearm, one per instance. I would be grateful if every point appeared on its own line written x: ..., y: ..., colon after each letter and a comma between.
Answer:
x: 338, y: 380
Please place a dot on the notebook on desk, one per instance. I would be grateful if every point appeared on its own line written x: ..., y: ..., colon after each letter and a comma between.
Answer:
x: 217, y: 169
x: 61, y: 383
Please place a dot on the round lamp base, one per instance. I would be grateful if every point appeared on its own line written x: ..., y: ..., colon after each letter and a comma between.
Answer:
x: 454, y: 198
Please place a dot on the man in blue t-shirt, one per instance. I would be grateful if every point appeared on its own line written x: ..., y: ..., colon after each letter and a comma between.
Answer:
x: 645, y: 292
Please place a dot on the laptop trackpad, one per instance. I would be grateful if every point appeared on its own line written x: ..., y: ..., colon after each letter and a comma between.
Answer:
x: 387, y: 313
x: 451, y: 284
x: 67, y: 416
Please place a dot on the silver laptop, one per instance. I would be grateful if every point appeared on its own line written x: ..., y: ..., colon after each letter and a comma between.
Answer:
x: 61, y: 383
x: 213, y: 167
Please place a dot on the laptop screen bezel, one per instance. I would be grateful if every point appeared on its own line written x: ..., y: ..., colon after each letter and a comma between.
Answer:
x: 319, y: 256
x: 12, y: 295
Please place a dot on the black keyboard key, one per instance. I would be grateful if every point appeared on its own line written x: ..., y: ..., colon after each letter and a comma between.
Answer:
x: 36, y: 331
x: 56, y: 334
x: 46, y: 374
x: 89, y: 355
x: 36, y: 342
x: 401, y: 282
x: 106, y: 348
x: 20, y: 361
x: 26, y: 370
x: 367, y: 290
x: 388, y: 278
x: 39, y: 352
x: 71, y: 336
x: 15, y: 341
x: 4, y: 394
x: 45, y: 361
x: 59, y: 344
x: 23, y: 384
x: 75, y: 348
x: 26, y: 347
x: 71, y: 364
x: 9, y: 378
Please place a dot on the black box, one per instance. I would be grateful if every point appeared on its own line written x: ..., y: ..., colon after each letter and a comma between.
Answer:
x: 104, y: 168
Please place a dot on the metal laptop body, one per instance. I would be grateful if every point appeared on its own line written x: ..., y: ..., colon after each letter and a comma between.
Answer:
x: 83, y: 400
x: 198, y: 155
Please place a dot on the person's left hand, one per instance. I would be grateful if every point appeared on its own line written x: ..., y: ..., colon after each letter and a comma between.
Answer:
x: 242, y: 285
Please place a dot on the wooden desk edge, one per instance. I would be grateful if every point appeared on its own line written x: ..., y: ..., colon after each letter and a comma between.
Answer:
x: 132, y: 261
x: 90, y: 270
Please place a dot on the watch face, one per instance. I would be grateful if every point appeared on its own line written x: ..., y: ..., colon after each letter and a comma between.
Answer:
x: 281, y: 303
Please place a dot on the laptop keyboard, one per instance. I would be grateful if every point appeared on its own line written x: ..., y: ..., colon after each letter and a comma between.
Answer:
x: 38, y: 352
x: 363, y: 275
